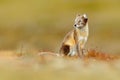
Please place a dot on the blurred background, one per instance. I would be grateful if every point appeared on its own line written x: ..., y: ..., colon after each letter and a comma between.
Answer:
x: 42, y: 24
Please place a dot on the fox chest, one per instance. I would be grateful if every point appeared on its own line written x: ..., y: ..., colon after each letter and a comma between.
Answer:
x: 82, y: 38
x: 81, y: 34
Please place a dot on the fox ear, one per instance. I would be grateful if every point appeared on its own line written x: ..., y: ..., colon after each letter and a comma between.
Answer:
x: 85, y: 16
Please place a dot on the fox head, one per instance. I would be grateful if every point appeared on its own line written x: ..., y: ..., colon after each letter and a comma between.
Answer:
x: 81, y: 21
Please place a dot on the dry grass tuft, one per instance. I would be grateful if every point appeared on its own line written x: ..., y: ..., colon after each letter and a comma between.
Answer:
x: 100, y: 55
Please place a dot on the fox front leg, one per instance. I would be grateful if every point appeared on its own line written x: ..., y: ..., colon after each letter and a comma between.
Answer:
x: 80, y: 50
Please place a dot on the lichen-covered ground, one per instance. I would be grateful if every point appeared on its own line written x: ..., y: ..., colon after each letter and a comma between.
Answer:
x: 51, y: 67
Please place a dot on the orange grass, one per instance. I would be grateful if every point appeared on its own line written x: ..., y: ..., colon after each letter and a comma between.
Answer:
x: 46, y: 55
x: 92, y: 54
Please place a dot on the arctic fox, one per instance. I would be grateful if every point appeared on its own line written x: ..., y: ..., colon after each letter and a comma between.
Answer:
x: 74, y: 41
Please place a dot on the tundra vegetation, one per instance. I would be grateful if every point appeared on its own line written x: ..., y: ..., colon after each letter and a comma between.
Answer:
x: 29, y: 28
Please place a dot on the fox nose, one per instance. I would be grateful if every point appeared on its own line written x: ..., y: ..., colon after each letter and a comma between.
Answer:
x: 75, y: 25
